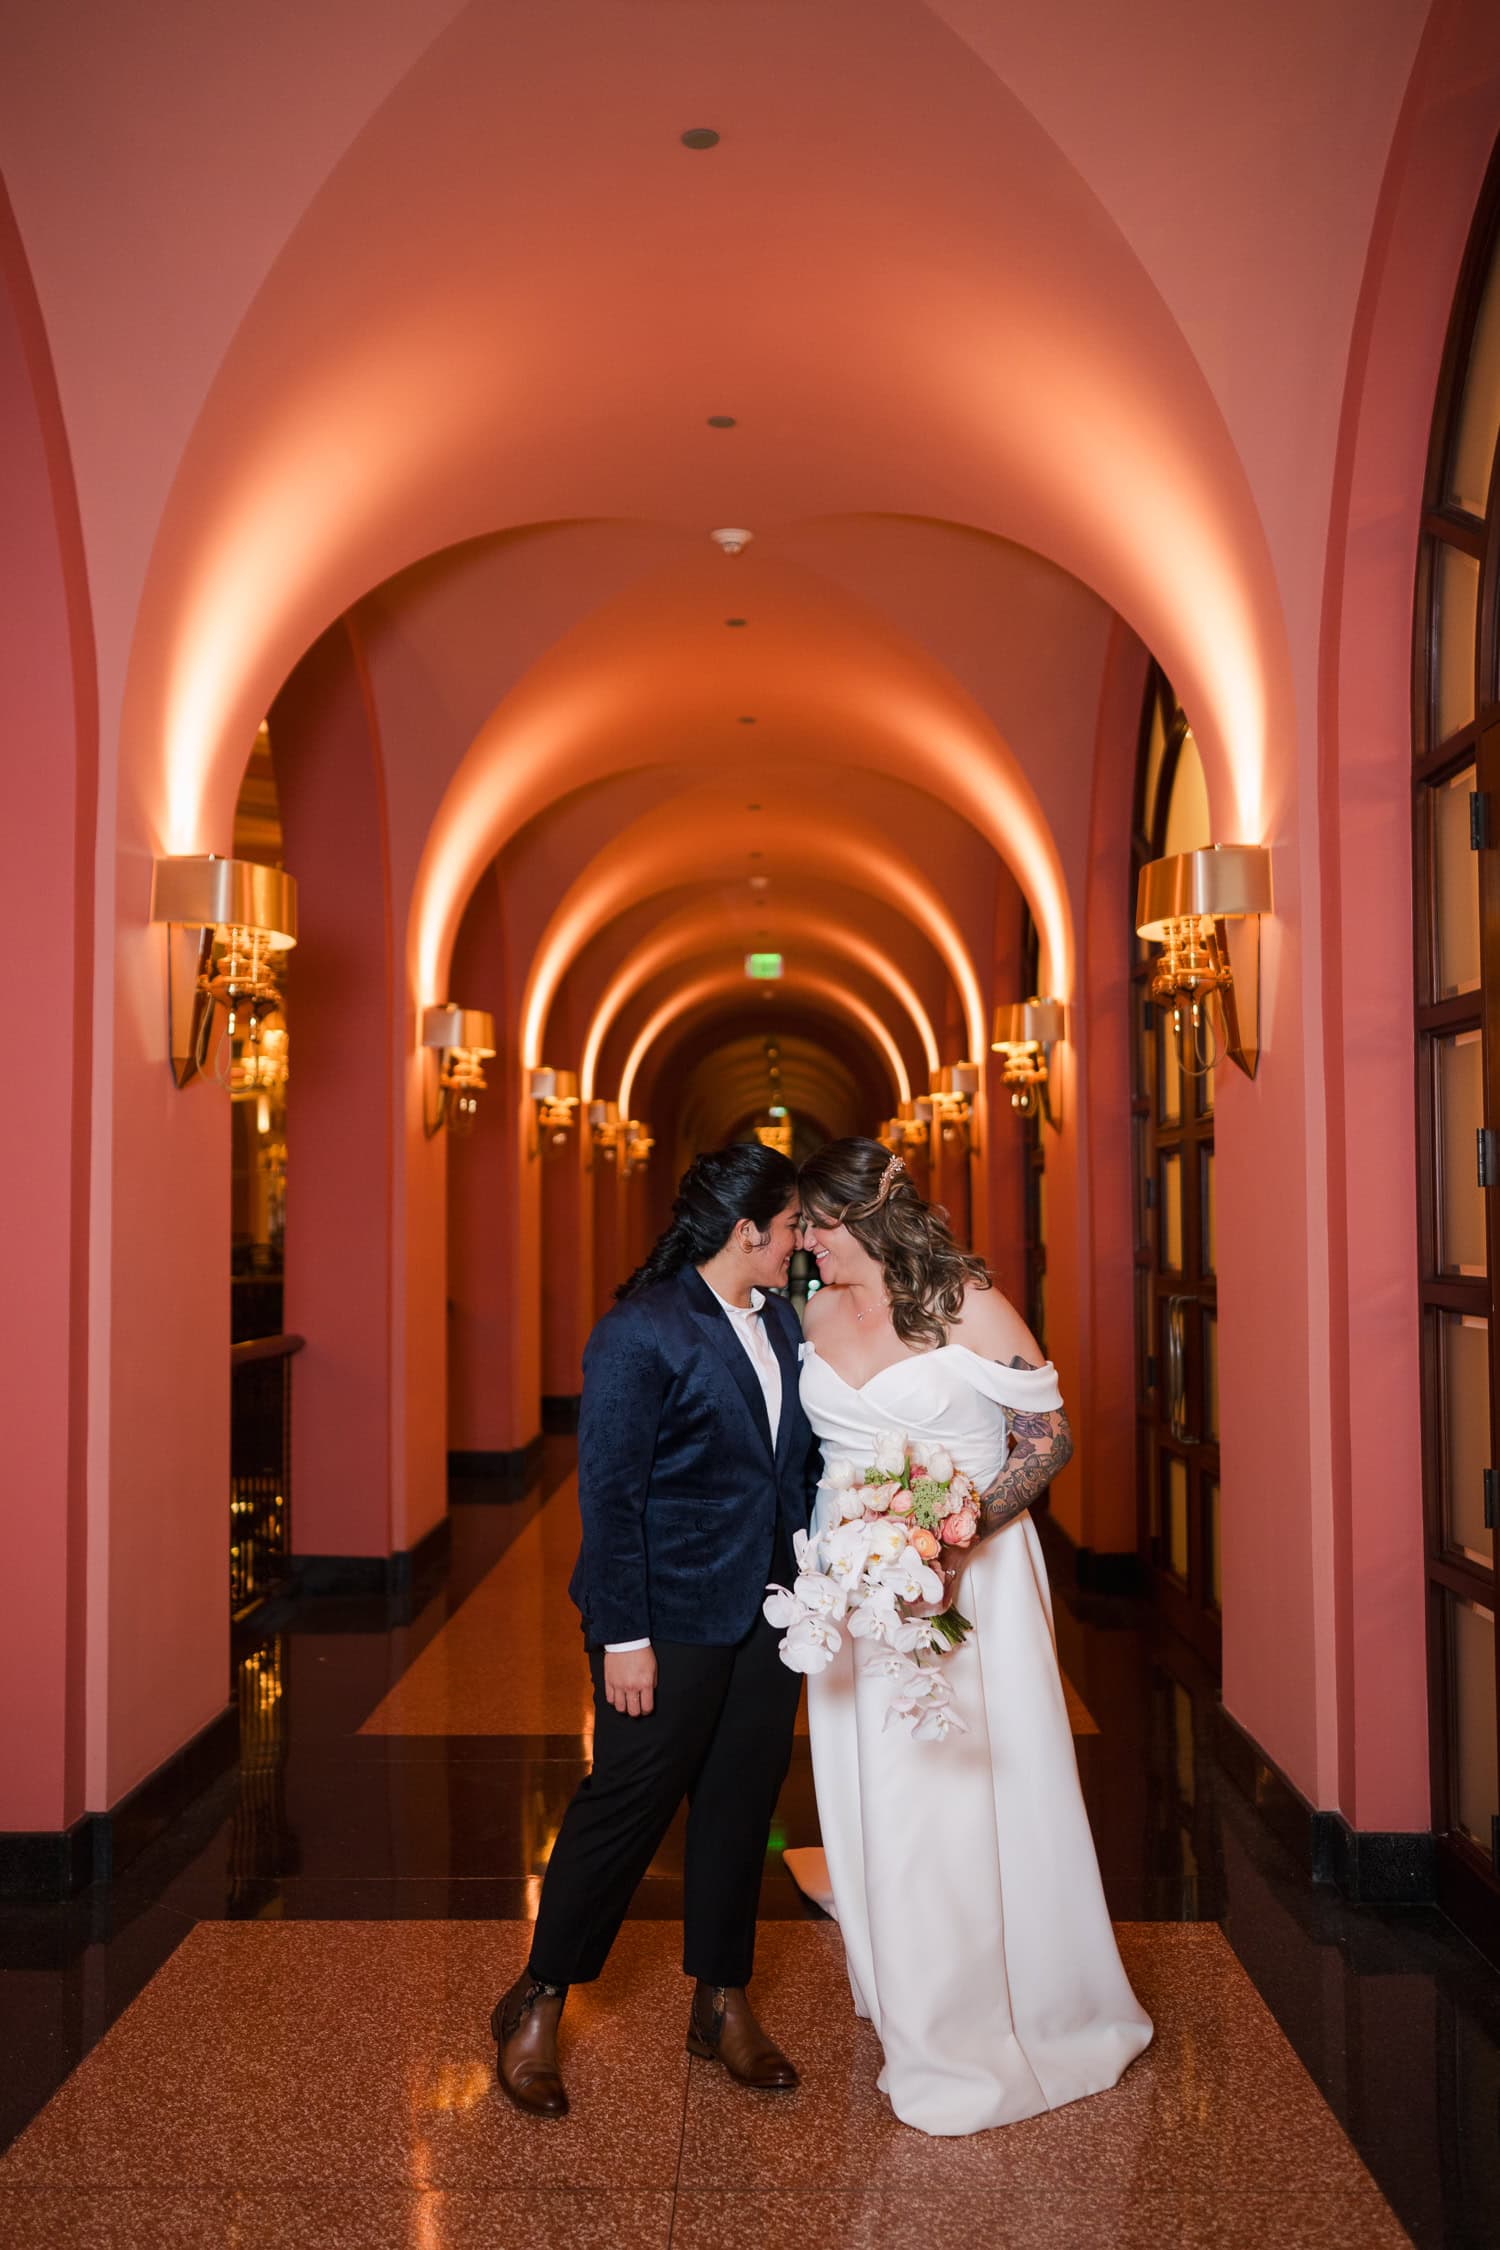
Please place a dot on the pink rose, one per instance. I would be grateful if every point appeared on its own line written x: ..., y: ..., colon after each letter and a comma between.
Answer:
x: 925, y: 1543
x: 958, y: 1530
x: 900, y: 1501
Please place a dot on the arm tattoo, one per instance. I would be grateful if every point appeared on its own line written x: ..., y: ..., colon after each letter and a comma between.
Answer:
x: 1041, y: 1445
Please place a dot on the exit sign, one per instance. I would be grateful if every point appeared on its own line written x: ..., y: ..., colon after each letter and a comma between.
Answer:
x: 762, y: 964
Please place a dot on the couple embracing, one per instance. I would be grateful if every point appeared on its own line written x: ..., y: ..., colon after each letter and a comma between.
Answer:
x: 707, y: 1424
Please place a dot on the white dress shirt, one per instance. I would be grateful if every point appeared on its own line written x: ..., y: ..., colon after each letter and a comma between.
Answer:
x: 749, y: 1325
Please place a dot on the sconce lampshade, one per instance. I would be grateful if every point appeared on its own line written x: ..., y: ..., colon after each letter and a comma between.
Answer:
x: 957, y: 1080
x: 204, y: 892
x: 449, y: 1026
x: 1224, y: 883
x: 554, y: 1085
x: 1028, y: 1023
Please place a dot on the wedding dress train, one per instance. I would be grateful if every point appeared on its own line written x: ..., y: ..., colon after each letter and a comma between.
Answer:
x: 963, y: 1872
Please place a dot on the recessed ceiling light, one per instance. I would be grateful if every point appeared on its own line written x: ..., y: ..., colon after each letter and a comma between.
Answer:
x: 757, y: 855
x: 747, y: 722
x: 752, y: 808
x: 722, y: 422
x: 700, y: 136
x: 736, y: 620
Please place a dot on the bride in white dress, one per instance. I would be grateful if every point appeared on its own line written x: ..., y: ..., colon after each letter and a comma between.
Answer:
x: 1018, y: 2002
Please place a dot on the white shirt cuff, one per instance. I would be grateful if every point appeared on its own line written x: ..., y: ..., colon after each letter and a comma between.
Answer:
x: 624, y: 1648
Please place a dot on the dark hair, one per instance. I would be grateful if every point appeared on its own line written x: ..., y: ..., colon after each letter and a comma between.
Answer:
x: 716, y: 1191
x: 862, y: 1186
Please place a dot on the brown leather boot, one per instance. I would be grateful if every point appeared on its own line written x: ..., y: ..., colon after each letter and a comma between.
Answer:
x: 524, y: 2029
x: 722, y: 2028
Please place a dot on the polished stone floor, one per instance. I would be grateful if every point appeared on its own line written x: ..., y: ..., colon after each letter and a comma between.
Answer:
x: 271, y: 2028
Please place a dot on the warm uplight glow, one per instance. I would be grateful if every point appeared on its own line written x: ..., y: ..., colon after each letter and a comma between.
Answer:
x: 684, y: 938
x: 730, y: 980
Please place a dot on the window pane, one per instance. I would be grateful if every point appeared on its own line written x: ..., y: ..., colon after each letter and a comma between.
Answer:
x: 1211, y: 1377
x: 1475, y: 1795
x: 1456, y: 589
x: 1145, y: 1047
x: 1466, y: 1422
x: 1176, y: 1510
x: 1169, y: 1088
x: 1142, y: 1334
x: 1479, y: 415
x: 1171, y: 1212
x: 1460, y: 1061
x: 1214, y: 1572
x: 1455, y: 883
x: 1208, y: 1236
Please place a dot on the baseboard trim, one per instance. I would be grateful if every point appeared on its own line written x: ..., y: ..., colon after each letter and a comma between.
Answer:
x: 1086, y: 1570
x: 560, y: 1415
x: 320, y: 1576
x: 1367, y: 1865
x: 483, y: 1478
x: 42, y: 1867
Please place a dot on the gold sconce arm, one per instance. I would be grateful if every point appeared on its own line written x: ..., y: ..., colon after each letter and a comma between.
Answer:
x: 463, y: 1039
x: 950, y: 1103
x: 229, y: 921
x: 1204, y: 909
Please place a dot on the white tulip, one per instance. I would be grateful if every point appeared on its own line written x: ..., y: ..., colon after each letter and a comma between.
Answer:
x: 940, y: 1464
x: 890, y: 1453
x: 838, y: 1475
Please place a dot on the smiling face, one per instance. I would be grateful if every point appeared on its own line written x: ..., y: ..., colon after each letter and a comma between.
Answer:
x: 766, y: 1263
x: 838, y: 1256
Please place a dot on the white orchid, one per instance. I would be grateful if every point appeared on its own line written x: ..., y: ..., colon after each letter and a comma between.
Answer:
x: 876, y: 1617
x: 890, y: 1453
x: 805, y: 1548
x: 910, y: 1579
x: 781, y: 1608
x: 810, y: 1645
x: 820, y: 1596
x: 847, y: 1550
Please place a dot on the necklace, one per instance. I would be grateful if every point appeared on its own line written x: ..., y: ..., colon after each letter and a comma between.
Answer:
x: 883, y: 1305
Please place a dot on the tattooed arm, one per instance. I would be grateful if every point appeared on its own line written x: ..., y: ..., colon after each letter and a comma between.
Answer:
x: 1040, y: 1445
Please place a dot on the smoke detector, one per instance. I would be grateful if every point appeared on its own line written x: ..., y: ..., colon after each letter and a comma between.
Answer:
x: 731, y: 541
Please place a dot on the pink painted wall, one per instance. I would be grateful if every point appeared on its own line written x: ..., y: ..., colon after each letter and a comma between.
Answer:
x: 49, y: 748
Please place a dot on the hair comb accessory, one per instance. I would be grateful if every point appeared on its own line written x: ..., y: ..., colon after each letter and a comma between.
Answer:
x: 888, y: 1178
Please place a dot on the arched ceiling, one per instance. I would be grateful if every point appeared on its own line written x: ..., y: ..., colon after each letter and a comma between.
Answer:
x: 716, y: 987
x: 448, y: 366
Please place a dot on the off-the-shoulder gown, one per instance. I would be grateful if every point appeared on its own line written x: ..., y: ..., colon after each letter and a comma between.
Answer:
x: 962, y: 1871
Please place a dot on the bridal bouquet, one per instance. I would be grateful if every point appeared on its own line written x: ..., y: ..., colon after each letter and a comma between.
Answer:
x: 872, y: 1571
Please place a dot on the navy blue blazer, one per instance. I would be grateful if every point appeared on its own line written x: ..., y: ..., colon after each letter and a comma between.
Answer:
x: 678, y: 1483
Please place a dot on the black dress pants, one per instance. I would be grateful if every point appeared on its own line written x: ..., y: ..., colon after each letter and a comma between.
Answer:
x: 721, y: 1736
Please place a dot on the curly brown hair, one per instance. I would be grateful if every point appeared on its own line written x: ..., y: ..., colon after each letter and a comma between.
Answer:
x: 860, y: 1185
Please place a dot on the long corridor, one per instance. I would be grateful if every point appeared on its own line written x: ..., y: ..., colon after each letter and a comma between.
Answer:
x: 272, y: 2027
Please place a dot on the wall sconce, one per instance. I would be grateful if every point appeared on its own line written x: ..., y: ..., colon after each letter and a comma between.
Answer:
x: 1203, y: 908
x: 607, y: 1129
x: 638, y: 1145
x: 909, y: 1127
x: 555, y: 1093
x: 245, y: 917
x: 951, y: 1101
x: 1025, y: 1034
x: 464, y: 1041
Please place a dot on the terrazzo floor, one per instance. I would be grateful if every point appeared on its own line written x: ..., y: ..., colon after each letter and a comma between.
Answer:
x: 271, y: 2028
x: 333, y: 2083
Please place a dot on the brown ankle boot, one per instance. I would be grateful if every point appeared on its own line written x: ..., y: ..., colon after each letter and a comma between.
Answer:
x: 722, y: 2028
x: 524, y: 2029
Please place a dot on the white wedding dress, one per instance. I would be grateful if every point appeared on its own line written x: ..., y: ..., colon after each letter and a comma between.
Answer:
x: 962, y: 1871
